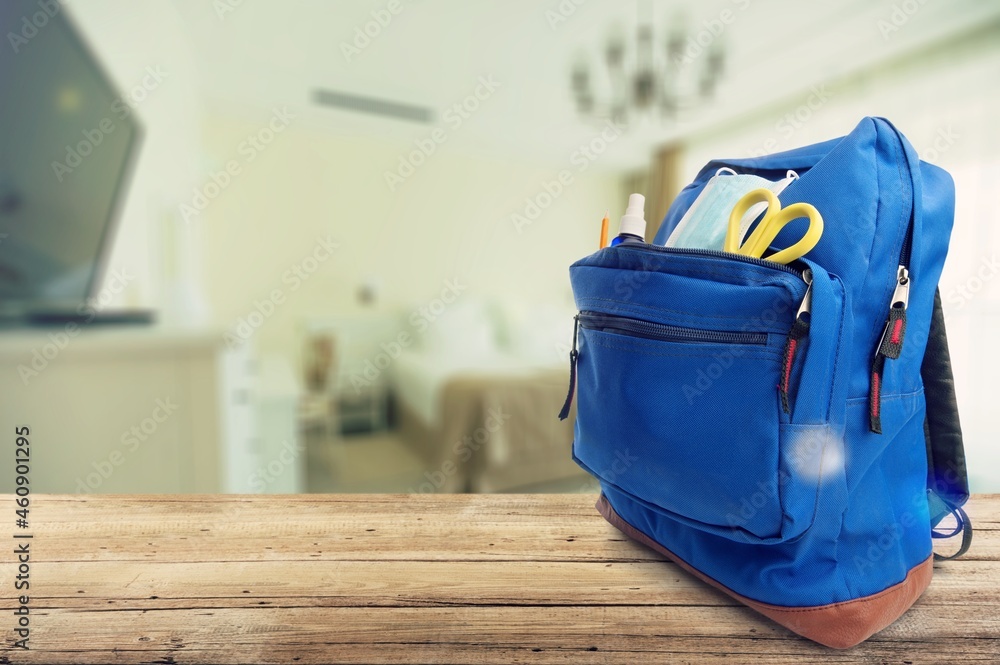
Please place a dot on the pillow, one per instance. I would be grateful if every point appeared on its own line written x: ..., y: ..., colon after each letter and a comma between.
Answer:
x: 465, y: 328
x: 542, y: 334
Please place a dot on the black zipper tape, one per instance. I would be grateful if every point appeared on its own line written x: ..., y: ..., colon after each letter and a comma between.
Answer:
x: 800, y: 329
x: 573, y: 356
x: 666, y: 333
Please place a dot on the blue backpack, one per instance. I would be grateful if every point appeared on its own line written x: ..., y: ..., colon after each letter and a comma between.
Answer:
x: 786, y: 433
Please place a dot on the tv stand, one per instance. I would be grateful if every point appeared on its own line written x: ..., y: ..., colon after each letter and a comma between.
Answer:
x: 122, y: 317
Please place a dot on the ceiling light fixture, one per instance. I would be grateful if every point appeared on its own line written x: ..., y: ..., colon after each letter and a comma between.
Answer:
x: 643, y: 82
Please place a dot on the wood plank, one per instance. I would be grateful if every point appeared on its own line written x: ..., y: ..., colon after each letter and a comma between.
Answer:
x: 133, y: 585
x: 397, y: 527
x: 443, y: 579
x: 488, y: 635
x: 511, y: 528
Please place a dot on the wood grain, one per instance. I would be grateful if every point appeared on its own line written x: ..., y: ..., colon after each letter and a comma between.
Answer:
x: 422, y: 579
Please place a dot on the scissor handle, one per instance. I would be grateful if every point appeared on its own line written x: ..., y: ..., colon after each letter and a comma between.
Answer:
x: 747, y: 201
x: 775, y: 218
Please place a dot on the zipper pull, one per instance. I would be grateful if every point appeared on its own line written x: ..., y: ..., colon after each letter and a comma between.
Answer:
x: 902, y: 293
x: 889, y: 346
x: 800, y: 329
x: 573, y: 355
x: 806, y: 306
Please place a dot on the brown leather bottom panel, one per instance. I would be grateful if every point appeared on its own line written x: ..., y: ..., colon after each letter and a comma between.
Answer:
x: 838, y: 625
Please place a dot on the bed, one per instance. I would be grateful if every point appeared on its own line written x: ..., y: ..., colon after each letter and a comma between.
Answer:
x: 477, y: 400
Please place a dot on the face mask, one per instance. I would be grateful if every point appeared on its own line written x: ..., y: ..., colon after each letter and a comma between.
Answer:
x: 704, y: 224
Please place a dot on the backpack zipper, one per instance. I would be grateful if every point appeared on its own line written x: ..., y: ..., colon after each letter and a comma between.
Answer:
x: 890, y: 344
x: 573, y: 355
x: 648, y: 330
x: 665, y: 333
x: 800, y: 329
x: 729, y: 256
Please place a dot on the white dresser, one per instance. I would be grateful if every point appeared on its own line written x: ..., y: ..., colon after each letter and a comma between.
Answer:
x: 130, y: 410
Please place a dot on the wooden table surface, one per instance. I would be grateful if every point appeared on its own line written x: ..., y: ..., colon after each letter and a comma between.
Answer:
x: 420, y: 579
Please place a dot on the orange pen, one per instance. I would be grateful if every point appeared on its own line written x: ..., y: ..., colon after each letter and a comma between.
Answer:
x: 604, y: 230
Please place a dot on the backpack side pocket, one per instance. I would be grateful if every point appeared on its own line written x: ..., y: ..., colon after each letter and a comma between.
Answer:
x: 680, y: 389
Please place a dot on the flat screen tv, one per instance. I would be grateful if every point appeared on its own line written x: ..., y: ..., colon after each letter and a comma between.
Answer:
x: 67, y: 142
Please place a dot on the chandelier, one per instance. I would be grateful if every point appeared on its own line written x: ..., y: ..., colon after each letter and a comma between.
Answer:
x: 686, y: 75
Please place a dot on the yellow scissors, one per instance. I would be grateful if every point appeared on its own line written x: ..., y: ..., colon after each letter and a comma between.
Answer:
x: 775, y: 218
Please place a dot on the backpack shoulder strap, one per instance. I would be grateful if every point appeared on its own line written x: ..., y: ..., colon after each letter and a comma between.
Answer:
x: 947, y: 476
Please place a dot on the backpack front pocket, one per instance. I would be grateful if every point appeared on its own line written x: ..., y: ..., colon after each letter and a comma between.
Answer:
x: 680, y: 403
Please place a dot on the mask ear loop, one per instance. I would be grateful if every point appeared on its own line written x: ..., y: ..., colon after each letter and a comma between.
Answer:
x: 725, y: 170
x: 745, y: 226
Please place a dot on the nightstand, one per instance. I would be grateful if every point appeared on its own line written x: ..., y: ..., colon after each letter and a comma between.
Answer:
x: 363, y: 409
x: 358, y: 383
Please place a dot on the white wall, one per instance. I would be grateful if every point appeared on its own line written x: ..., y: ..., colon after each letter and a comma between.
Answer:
x: 947, y: 93
x: 131, y: 40
x: 450, y: 220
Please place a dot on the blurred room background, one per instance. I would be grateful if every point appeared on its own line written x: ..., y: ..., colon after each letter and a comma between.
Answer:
x: 350, y: 223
